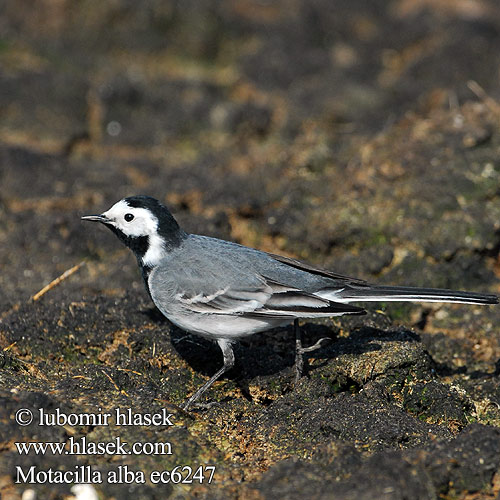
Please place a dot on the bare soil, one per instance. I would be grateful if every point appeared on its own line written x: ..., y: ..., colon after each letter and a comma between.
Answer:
x: 360, y: 136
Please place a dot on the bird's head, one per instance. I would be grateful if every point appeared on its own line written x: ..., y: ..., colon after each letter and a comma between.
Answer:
x: 145, y: 225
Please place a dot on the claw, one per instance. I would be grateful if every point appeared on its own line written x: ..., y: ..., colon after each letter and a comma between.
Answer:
x: 314, y: 347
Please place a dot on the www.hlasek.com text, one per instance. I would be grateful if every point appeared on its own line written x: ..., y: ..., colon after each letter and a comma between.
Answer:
x: 82, y: 446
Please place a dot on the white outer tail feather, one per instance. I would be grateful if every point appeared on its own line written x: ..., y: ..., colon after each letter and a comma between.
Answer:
x: 394, y: 295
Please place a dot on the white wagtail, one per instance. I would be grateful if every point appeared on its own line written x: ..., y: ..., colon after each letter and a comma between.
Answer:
x: 223, y: 291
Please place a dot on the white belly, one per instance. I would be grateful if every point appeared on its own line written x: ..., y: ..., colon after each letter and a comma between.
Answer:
x: 217, y: 326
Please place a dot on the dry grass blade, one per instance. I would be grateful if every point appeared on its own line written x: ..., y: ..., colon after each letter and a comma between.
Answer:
x: 492, y: 105
x: 121, y: 391
x: 57, y: 281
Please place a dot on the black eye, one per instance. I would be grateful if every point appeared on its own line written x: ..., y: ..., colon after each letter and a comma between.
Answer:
x: 128, y: 217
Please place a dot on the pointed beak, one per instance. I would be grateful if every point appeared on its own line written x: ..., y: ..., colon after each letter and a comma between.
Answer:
x: 96, y: 218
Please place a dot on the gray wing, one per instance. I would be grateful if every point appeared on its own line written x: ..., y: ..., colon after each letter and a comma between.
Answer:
x: 212, y: 280
x: 270, y: 300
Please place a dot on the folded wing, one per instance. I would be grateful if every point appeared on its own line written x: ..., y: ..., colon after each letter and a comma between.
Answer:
x: 268, y: 299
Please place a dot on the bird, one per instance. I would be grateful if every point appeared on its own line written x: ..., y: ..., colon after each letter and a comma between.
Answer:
x: 224, y: 291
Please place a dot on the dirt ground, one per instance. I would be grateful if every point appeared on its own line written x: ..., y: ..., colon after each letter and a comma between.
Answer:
x: 360, y: 136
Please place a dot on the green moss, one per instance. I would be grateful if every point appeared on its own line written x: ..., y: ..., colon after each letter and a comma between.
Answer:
x: 423, y: 398
x: 4, y: 45
x: 397, y: 311
x: 376, y: 238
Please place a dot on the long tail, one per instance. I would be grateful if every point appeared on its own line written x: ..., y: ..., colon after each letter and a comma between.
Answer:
x: 407, y: 294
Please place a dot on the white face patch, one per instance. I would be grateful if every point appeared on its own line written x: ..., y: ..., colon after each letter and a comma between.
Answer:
x: 143, y: 223
x: 138, y: 222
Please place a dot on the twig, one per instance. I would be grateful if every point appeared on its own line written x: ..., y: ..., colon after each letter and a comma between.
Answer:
x: 481, y: 94
x: 112, y: 381
x: 127, y: 370
x: 121, y: 391
x: 54, y: 283
x: 9, y: 347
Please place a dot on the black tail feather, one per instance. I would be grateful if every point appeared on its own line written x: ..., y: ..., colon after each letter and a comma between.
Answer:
x: 412, y: 294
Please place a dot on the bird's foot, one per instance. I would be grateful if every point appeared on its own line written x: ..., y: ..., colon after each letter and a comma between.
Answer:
x: 300, y: 351
x: 316, y: 346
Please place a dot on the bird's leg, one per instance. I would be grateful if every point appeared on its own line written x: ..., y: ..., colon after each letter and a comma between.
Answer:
x: 299, y: 358
x: 300, y: 351
x: 227, y: 352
